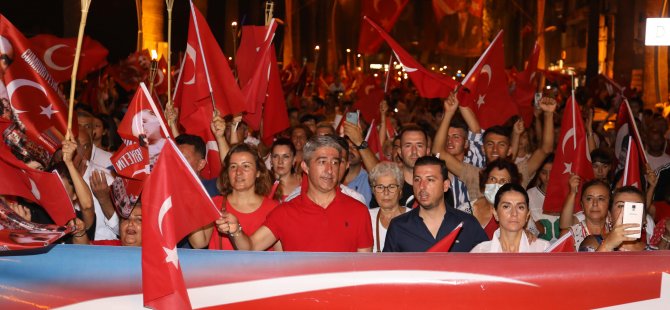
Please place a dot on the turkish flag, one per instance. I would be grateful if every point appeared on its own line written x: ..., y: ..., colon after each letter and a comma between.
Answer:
x: 445, y: 244
x: 373, y: 141
x: 487, y: 85
x: 37, y: 103
x: 275, y: 115
x: 565, y: 243
x: 631, y: 172
x: 369, y: 96
x: 131, y: 161
x: 162, y: 76
x: 626, y: 129
x: 129, y: 72
x: 386, y: 14
x: 58, y: 55
x: 44, y: 188
x: 428, y: 84
x: 174, y: 203
x: 525, y: 86
x: 205, y: 69
x: 254, y: 68
x: 571, y: 157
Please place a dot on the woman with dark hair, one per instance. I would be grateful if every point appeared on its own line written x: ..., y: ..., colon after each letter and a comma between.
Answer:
x: 619, y: 237
x: 282, y: 157
x: 496, y: 174
x: 595, y: 201
x: 105, y: 136
x: 245, y: 184
x: 512, y: 211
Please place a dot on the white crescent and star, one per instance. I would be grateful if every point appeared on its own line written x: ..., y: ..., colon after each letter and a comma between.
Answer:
x: 190, y: 53
x: 14, y: 85
x: 171, y: 254
x: 568, y: 134
x: 49, y: 61
x: 485, y: 69
x: 48, y: 111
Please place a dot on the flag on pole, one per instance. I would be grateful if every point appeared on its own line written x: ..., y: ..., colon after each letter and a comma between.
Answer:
x: 525, y: 86
x: 167, y: 218
x: 631, y: 172
x: 373, y: 141
x: 428, y: 84
x: 626, y: 129
x: 275, y: 116
x: 571, y: 157
x: 37, y: 106
x: 487, y: 85
x: 205, y: 79
x: 369, y: 95
x: 58, y: 55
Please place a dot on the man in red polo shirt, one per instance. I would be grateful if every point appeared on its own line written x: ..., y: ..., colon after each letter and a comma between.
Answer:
x: 321, y: 219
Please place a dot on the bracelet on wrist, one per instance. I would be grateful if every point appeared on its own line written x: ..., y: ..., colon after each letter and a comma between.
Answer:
x: 237, y: 232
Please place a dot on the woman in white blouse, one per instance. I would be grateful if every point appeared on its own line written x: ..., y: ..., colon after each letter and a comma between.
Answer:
x: 386, y: 181
x: 512, y: 213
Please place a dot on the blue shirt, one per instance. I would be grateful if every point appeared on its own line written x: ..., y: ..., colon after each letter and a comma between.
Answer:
x: 362, y: 185
x: 408, y: 233
x: 210, y: 187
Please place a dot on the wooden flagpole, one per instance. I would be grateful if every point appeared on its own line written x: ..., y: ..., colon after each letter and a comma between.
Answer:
x: 73, y: 83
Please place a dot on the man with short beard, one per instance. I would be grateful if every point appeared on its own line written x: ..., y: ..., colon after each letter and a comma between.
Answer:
x: 420, y: 229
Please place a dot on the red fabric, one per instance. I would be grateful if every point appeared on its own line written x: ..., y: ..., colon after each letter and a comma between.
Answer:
x: 631, y: 173
x: 302, y: 225
x: 131, y: 71
x: 57, y: 54
x: 662, y: 210
x: 369, y: 95
x: 106, y: 242
x: 131, y: 161
x: 491, y: 227
x: 526, y: 85
x: 162, y: 76
x: 386, y: 13
x: 445, y: 244
x: 44, y: 188
x: 40, y: 105
x: 192, y: 90
x: 625, y: 117
x: 428, y: 84
x: 571, y: 157
x: 174, y: 203
x: 564, y: 244
x: 254, y: 68
x: 486, y: 82
x: 275, y: 115
x: 250, y: 222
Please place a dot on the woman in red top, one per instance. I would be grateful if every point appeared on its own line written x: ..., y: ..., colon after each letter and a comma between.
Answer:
x: 245, y: 184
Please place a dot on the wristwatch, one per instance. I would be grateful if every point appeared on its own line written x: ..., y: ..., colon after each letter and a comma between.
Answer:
x: 364, y: 145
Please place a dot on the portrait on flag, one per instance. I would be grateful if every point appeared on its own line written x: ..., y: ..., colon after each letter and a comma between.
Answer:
x: 460, y: 26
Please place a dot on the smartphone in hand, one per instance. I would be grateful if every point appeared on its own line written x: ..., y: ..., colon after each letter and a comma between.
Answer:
x: 352, y: 117
x: 632, y: 214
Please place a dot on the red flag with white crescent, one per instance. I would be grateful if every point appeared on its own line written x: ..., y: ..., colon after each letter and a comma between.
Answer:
x: 631, y: 172
x: 487, y: 84
x: 571, y: 157
x: 166, y: 219
x: 428, y: 84
x: 37, y: 106
x: 58, y: 55
x: 385, y: 13
x: 369, y: 95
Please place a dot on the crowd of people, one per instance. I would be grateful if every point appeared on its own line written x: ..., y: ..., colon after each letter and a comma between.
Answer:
x: 321, y: 187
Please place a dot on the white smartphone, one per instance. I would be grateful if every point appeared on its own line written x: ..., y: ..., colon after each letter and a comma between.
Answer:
x: 352, y: 117
x: 632, y: 214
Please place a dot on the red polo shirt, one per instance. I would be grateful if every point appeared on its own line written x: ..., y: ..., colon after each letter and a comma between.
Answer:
x: 302, y: 225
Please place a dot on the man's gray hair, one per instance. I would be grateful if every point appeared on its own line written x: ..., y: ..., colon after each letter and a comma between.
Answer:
x: 386, y: 168
x: 316, y: 142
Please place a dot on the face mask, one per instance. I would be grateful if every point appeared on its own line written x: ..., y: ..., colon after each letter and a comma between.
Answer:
x: 490, y: 191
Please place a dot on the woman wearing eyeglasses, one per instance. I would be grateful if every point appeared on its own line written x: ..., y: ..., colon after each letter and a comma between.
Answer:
x: 496, y: 174
x: 386, y: 181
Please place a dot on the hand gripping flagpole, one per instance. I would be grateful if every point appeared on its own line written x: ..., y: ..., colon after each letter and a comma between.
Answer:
x: 73, y: 83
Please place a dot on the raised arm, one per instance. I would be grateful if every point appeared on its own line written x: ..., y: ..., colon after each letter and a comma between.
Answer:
x: 567, y: 218
x: 652, y: 180
x: 517, y: 130
x: 355, y: 134
x: 171, y: 114
x: 454, y: 165
x: 82, y: 190
x: 101, y: 191
x: 383, y: 108
x: 218, y: 127
x: 548, y: 106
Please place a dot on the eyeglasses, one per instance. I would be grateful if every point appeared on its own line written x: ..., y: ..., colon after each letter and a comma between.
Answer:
x: 392, y: 188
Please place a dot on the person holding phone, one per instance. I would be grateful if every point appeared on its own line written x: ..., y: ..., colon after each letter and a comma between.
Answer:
x: 625, y: 237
